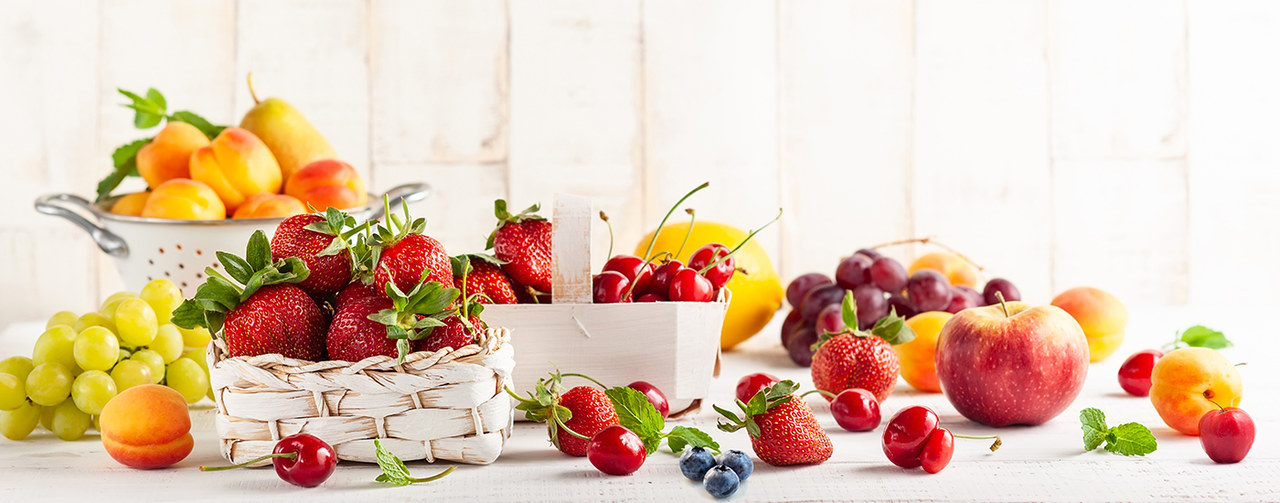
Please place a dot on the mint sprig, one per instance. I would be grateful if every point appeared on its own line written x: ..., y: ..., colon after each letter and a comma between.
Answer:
x: 1200, y: 336
x: 149, y: 110
x: 637, y: 413
x: 394, y: 471
x: 1128, y: 439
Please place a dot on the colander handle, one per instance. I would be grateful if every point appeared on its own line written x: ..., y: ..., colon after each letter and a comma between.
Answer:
x: 65, y: 206
x: 407, y: 193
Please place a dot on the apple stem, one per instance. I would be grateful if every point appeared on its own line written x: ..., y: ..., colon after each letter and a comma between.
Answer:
x: 931, y: 240
x: 252, y: 94
x: 994, y: 445
x: 1003, y: 307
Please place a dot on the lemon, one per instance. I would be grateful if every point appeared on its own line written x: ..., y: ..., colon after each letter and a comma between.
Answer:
x: 756, y: 294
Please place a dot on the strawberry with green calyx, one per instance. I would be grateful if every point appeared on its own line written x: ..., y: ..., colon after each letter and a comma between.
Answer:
x: 376, y: 326
x: 638, y: 414
x: 459, y: 327
x: 406, y: 254
x: 859, y: 359
x: 782, y: 427
x: 259, y: 309
x: 324, y: 241
x: 572, y: 416
x: 483, y: 275
x: 523, y: 242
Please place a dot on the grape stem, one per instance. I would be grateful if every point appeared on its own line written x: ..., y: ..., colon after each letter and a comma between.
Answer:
x: 290, y: 455
x: 932, y: 241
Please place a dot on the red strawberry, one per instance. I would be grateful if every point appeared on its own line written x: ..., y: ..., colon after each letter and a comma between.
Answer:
x: 483, y: 275
x: 590, y: 411
x: 316, y: 240
x: 855, y: 361
x: 782, y: 427
x: 523, y: 242
x: 405, y: 261
x: 353, y: 336
x: 355, y: 291
x: 454, y: 334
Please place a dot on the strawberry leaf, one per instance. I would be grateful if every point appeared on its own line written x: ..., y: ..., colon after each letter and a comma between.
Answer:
x: 893, y: 329
x: 258, y: 253
x: 238, y: 268
x: 849, y: 311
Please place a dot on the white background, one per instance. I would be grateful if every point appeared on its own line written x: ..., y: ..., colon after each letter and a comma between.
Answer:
x: 1130, y: 145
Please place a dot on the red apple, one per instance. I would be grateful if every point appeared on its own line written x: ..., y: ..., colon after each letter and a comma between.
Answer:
x: 1012, y: 363
x: 1226, y: 434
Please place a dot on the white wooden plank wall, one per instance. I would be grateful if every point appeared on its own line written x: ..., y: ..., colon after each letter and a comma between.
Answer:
x: 1129, y: 145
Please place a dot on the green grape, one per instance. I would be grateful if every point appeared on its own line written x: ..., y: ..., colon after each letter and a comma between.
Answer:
x: 46, y: 417
x: 96, y: 348
x: 94, y: 319
x: 135, y: 322
x: 195, y: 338
x: 163, y: 296
x: 168, y: 343
x: 130, y: 373
x: 115, y: 298
x: 124, y: 355
x: 197, y: 355
x: 92, y: 390
x: 19, y: 366
x: 18, y: 423
x: 13, y: 392
x: 96, y: 424
x: 67, y: 318
x: 186, y: 377
x: 69, y: 423
x: 56, y: 345
x: 49, y: 384
x: 153, y: 360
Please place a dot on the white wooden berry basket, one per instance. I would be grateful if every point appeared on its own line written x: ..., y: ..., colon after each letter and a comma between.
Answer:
x: 672, y: 345
x: 447, y: 405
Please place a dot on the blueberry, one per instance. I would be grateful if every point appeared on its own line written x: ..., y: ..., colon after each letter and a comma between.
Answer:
x: 695, y: 462
x: 721, y: 481
x: 739, y: 462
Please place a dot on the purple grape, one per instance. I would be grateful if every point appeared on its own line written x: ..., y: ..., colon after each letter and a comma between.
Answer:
x: 852, y: 271
x: 819, y: 298
x: 871, y: 254
x: 830, y: 320
x: 872, y: 305
x: 900, y: 305
x: 929, y: 290
x: 804, y: 284
x: 800, y: 346
x: 1004, y: 286
x: 963, y: 297
x: 888, y: 274
x: 789, y: 325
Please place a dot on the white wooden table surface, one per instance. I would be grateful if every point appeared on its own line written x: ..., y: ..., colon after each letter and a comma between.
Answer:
x: 1043, y: 463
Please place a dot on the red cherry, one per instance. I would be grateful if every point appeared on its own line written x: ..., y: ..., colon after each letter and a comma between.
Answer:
x: 937, y: 450
x: 856, y: 409
x: 662, y: 275
x: 655, y: 396
x: 906, y: 434
x: 1226, y: 434
x: 1135, y: 373
x: 751, y: 384
x: 636, y: 269
x: 651, y: 297
x: 721, y: 273
x: 300, y: 459
x: 616, y: 451
x: 689, y: 286
x: 608, y: 288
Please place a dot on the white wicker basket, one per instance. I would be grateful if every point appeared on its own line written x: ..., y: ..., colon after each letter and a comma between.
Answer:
x: 447, y: 405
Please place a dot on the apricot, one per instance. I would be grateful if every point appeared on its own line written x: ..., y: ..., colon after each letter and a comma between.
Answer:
x: 168, y: 155
x: 916, y: 358
x: 958, y: 271
x: 146, y: 427
x: 184, y: 199
x: 270, y: 206
x: 1101, y: 315
x: 130, y: 204
x: 236, y: 165
x: 1188, y: 382
x: 327, y: 183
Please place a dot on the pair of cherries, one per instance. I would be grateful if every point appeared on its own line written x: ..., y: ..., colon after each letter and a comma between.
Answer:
x: 617, y: 450
x: 628, y: 277
x: 913, y: 438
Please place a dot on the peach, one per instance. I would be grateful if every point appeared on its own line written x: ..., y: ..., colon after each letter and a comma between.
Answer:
x: 1101, y: 315
x: 130, y: 204
x: 266, y: 205
x: 957, y: 270
x: 168, y: 155
x: 327, y: 183
x: 1187, y: 383
x: 146, y: 427
x: 915, y: 358
x: 184, y: 199
x: 236, y: 165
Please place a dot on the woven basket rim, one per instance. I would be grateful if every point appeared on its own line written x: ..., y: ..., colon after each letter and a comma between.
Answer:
x: 487, y: 343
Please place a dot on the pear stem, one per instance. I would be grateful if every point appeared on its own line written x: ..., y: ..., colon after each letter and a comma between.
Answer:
x: 252, y: 94
x: 1003, y: 307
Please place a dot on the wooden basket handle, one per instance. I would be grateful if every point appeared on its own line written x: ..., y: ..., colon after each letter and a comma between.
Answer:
x: 571, y: 250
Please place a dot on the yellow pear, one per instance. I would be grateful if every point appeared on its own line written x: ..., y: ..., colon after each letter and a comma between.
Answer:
x: 291, y: 138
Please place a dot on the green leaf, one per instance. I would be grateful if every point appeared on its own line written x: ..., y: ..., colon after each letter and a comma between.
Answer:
x: 258, y: 253
x: 1094, y: 424
x: 849, y: 311
x: 684, y: 436
x: 189, y: 315
x: 893, y: 329
x: 124, y: 159
x: 235, y: 266
x: 148, y: 112
x: 637, y: 414
x: 394, y: 471
x: 1131, y: 439
x: 1201, y: 336
x: 155, y: 97
x: 199, y: 122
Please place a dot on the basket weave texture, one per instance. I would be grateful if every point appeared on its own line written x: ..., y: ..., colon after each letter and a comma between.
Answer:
x: 447, y: 405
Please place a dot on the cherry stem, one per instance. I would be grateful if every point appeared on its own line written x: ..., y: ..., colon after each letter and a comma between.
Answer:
x: 610, y: 225
x: 290, y: 455
x: 1003, y: 306
x: 437, y: 476
x: 589, y: 378
x: 930, y: 240
x: 692, y: 218
x: 740, y: 245
x: 822, y: 392
x: 1215, y: 404
x: 994, y: 445
x: 654, y: 239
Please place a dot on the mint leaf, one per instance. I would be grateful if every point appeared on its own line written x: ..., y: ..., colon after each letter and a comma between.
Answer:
x: 684, y: 436
x: 199, y: 122
x: 893, y: 329
x: 1094, y: 424
x: 149, y: 111
x: 1131, y: 439
x: 155, y: 97
x: 394, y: 471
x: 1201, y: 336
x: 637, y: 414
x: 124, y: 159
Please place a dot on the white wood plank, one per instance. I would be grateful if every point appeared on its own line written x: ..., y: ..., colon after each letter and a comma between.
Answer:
x: 313, y: 55
x: 845, y: 111
x: 711, y: 111
x: 981, y: 180
x: 439, y: 80
x: 1118, y: 76
x: 459, y: 210
x: 54, y: 270
x: 576, y: 97
x: 1122, y: 226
